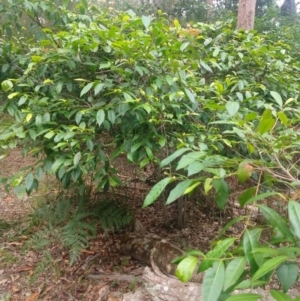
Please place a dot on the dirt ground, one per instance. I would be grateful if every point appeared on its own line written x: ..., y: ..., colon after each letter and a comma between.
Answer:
x: 59, y: 280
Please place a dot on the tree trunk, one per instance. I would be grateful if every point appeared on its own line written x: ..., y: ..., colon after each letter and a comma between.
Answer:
x: 246, y: 14
x: 288, y: 8
x: 210, y: 4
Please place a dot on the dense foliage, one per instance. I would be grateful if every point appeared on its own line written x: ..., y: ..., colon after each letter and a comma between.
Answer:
x: 216, y: 102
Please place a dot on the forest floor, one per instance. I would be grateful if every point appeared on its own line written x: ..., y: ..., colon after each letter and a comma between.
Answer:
x: 60, y: 281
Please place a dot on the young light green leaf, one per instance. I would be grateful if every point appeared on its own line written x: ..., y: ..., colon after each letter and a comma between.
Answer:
x: 244, y: 297
x: 213, y: 282
x: 146, y: 21
x: 287, y: 275
x: 280, y: 296
x: 100, y: 116
x: 221, y: 247
x: 86, y: 89
x: 156, y: 190
x: 49, y: 135
x: 207, y: 185
x: 185, y: 268
x: 179, y: 190
x: 276, y: 221
x: 265, y: 125
x: 233, y: 271
x: 294, y: 216
x: 284, y: 119
x: 184, y: 45
x: 172, y: 157
x: 29, y: 181
x: 77, y: 158
x: 190, y: 95
x: 98, y: 88
x: 277, y: 98
x: 205, y: 66
x: 6, y: 85
x: 232, y: 107
x: 269, y: 266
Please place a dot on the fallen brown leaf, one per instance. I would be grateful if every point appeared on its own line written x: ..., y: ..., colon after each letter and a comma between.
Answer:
x: 24, y: 268
x: 33, y: 297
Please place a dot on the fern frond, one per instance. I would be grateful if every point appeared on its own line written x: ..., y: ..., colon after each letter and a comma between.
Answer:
x: 41, y: 239
x: 111, y: 216
x: 76, y: 234
x: 42, y: 266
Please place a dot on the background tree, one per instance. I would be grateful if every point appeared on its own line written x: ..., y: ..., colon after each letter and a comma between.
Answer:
x: 246, y: 14
x: 288, y: 7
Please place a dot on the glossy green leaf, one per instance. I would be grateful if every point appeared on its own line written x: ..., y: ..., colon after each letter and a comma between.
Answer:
x: 245, y: 297
x: 184, y: 46
x: 185, y: 268
x: 29, y: 181
x: 78, y: 117
x: 111, y: 116
x: 190, y: 95
x: 287, y: 275
x: 194, y: 168
x: 100, y: 116
x: 39, y: 173
x: 179, y: 190
x: 284, y: 119
x: 205, y: 66
x: 213, y: 282
x: 266, y: 125
x: 246, y: 284
x: 77, y: 158
x: 90, y: 144
x: 222, y: 192
x: 188, y: 159
x: 294, y: 216
x: 246, y: 195
x: 267, y: 252
x: 276, y: 221
x: 98, y: 88
x: 260, y: 197
x: 156, y: 190
x: 250, y: 242
x: 280, y: 296
x: 86, y: 89
x: 233, y: 271
x: 217, y: 252
x: 172, y: 157
x: 277, y: 98
x: 269, y: 266
x: 232, y: 107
